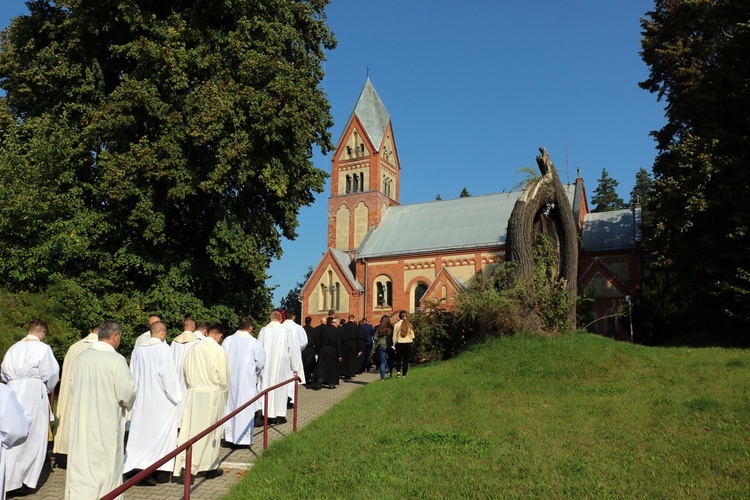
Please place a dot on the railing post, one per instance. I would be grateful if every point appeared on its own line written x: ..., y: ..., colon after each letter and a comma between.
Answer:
x: 188, y: 478
x: 296, y: 403
x: 265, y: 421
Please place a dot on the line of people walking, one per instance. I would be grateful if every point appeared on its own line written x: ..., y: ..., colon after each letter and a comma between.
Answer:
x: 116, y: 418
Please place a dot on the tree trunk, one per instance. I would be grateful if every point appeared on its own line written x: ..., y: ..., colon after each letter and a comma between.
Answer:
x: 543, y: 207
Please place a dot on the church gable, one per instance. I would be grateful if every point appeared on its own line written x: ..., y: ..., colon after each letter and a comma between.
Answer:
x: 603, y: 282
x: 387, y: 149
x: 443, y: 290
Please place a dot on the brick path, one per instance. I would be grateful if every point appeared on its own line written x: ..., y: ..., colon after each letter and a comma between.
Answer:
x: 234, y: 462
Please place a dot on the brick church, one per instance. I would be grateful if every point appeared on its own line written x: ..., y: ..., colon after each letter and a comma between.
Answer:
x: 383, y: 257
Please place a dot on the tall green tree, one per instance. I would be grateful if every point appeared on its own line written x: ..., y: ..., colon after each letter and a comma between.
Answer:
x: 464, y: 193
x: 644, y: 185
x: 154, y: 154
x: 605, y: 196
x: 698, y: 53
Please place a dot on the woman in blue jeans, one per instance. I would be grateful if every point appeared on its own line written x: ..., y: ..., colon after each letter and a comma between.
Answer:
x: 380, y: 346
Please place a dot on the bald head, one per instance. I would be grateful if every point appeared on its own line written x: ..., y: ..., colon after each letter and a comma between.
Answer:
x: 189, y: 324
x: 153, y: 319
x: 158, y: 330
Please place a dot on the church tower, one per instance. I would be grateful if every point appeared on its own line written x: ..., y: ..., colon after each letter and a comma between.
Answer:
x: 365, y: 173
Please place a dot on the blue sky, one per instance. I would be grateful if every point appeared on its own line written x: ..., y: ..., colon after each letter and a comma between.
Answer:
x: 475, y: 88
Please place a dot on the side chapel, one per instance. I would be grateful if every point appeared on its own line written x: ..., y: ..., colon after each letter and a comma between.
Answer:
x: 383, y: 257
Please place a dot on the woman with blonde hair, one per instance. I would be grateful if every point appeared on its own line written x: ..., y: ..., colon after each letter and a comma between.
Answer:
x: 403, y: 337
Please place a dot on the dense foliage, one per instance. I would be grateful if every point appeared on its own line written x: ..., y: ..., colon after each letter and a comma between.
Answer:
x: 154, y: 154
x: 605, y: 197
x: 698, y: 53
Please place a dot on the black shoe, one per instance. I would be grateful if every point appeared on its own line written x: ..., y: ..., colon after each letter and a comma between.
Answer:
x: 213, y: 474
x: 148, y: 481
x: 280, y: 420
x: 331, y: 386
x: 289, y: 406
x: 162, y: 476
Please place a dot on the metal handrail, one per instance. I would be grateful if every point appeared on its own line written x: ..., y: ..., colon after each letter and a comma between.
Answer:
x: 187, y: 446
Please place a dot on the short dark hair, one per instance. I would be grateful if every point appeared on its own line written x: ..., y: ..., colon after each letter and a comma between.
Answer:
x: 245, y: 323
x: 109, y: 328
x: 37, y: 325
x: 290, y: 314
x: 200, y: 325
x: 308, y: 320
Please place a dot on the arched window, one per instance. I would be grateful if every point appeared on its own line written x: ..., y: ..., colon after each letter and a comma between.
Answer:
x: 356, y: 183
x: 419, y: 292
x: 383, y: 292
x: 361, y: 181
x: 349, y: 184
x: 323, y: 297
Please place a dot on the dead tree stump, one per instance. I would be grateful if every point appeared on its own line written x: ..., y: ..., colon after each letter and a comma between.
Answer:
x: 544, y: 208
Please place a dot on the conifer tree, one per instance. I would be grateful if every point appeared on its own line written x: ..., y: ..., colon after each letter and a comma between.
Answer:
x: 605, y: 196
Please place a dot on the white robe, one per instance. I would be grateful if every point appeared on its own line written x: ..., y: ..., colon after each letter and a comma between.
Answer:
x: 246, y: 360
x: 300, y: 335
x: 31, y: 370
x: 207, y: 375
x: 153, y: 419
x: 142, y: 338
x: 63, y: 400
x: 102, y: 390
x: 281, y: 361
x: 15, y: 424
x: 180, y: 347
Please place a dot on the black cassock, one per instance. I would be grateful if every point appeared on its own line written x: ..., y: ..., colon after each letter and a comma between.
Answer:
x: 328, y: 344
x: 351, y: 339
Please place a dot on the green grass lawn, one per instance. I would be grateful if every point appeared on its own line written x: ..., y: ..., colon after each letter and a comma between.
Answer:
x: 576, y: 415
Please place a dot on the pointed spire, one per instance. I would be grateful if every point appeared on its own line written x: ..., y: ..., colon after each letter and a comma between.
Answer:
x: 372, y: 113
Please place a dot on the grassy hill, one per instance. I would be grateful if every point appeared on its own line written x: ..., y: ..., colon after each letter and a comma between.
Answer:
x: 576, y: 415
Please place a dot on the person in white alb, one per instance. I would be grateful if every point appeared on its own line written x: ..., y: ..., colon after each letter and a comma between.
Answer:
x: 180, y: 347
x: 102, y: 390
x: 207, y: 376
x: 281, y: 364
x: 153, y: 420
x: 15, y: 424
x: 31, y: 370
x: 60, y: 446
x: 246, y: 360
x: 300, y: 335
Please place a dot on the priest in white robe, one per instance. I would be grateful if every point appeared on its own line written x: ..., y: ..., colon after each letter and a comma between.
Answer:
x: 281, y: 364
x: 153, y: 419
x: 102, y: 390
x: 15, y: 424
x: 246, y: 360
x: 60, y: 446
x: 180, y: 347
x: 207, y: 375
x: 31, y: 370
x: 300, y: 335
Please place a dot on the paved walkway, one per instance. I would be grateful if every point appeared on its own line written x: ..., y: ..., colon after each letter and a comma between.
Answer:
x: 234, y: 462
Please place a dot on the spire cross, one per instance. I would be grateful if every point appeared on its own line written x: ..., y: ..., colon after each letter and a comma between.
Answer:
x: 368, y: 70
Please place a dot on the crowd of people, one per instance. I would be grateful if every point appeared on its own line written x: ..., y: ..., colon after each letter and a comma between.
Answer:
x: 116, y: 419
